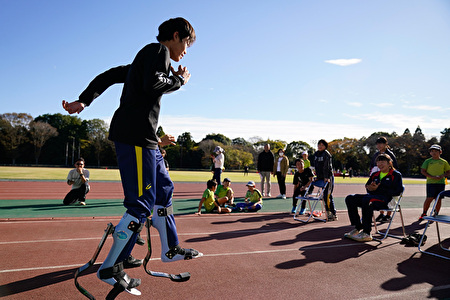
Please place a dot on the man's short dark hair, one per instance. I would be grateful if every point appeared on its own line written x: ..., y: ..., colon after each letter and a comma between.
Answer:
x: 80, y: 159
x: 298, y: 160
x: 210, y: 183
x: 381, y: 140
x: 180, y: 25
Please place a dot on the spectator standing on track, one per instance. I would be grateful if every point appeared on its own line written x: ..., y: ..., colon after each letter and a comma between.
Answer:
x: 163, y: 154
x: 435, y: 169
x: 210, y: 201
x: 265, y: 169
x: 218, y: 161
x: 302, y: 179
x: 383, y: 147
x: 253, y: 199
x: 280, y: 169
x: 381, y: 187
x: 78, y: 178
x: 145, y: 180
x: 324, y: 171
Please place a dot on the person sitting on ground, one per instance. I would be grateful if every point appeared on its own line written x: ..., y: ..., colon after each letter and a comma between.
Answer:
x: 253, y: 199
x: 302, y: 179
x: 381, y: 187
x: 382, y: 147
x: 224, y: 191
x: 209, y: 200
x: 78, y: 178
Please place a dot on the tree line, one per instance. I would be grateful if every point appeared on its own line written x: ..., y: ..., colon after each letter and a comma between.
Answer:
x: 56, y: 139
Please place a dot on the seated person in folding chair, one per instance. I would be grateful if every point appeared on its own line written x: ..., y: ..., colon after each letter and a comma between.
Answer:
x: 209, y: 200
x: 253, y: 199
x: 224, y: 191
x: 302, y: 179
x: 381, y: 187
x: 324, y: 172
x: 382, y: 147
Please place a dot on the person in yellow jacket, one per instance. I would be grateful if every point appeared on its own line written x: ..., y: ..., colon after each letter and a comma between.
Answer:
x: 280, y: 169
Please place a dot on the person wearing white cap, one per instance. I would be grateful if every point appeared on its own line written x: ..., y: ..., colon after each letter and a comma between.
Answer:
x: 306, y: 161
x: 435, y: 169
x: 253, y: 199
x: 219, y: 161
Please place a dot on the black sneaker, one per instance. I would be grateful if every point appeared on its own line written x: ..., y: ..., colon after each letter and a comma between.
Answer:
x: 132, y: 262
x: 140, y: 241
x: 379, y: 218
x: 386, y: 219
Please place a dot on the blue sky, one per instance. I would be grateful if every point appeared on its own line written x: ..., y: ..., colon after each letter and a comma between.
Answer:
x: 289, y: 70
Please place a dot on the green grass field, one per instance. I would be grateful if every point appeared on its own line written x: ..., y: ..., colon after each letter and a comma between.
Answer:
x: 60, y: 174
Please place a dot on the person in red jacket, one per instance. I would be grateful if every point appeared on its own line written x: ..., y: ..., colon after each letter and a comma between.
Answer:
x: 381, y: 187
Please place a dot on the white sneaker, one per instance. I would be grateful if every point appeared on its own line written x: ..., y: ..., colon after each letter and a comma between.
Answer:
x: 362, y: 237
x: 269, y: 195
x: 352, y: 233
x: 264, y: 194
x: 82, y: 203
x: 283, y: 196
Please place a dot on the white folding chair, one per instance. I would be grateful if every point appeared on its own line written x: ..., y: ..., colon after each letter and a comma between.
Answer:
x: 437, y: 218
x: 394, y: 207
x: 313, y: 196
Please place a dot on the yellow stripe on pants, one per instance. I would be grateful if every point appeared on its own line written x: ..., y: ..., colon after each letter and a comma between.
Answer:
x: 139, y: 169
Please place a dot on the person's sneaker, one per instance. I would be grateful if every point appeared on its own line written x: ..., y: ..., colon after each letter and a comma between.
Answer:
x: 302, y: 211
x: 82, y: 203
x: 352, y: 233
x: 362, y: 237
x: 140, y: 241
x: 269, y: 195
x: 386, y: 219
x: 421, y: 217
x: 379, y: 218
x: 132, y: 262
x: 263, y: 194
x: 283, y: 196
x: 331, y: 216
x: 279, y: 196
x: 293, y: 209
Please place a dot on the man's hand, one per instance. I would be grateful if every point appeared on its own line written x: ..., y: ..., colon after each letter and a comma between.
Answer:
x: 182, y: 71
x: 167, y: 140
x: 73, y: 107
x: 372, y: 186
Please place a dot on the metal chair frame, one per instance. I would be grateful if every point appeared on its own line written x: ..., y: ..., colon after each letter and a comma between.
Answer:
x: 315, y: 197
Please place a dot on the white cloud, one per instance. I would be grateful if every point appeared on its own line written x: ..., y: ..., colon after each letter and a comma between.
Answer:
x: 355, y: 104
x: 383, y: 104
x: 286, y: 130
x: 426, y: 107
x: 344, y: 62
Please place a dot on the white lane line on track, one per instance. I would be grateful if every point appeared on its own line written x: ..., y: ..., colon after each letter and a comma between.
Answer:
x: 143, y: 236
x: 204, y: 255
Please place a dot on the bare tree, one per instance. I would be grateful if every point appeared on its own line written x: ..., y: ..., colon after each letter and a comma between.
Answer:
x: 40, y: 133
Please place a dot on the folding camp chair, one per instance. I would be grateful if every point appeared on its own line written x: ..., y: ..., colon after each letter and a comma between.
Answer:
x: 314, y: 196
x: 434, y: 217
x: 394, y: 207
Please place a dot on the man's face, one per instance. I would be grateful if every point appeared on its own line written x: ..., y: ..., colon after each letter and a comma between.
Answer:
x: 178, y: 48
x: 381, y: 147
x: 267, y: 148
x: 321, y: 147
x: 79, y: 165
x: 226, y: 184
x: 299, y: 166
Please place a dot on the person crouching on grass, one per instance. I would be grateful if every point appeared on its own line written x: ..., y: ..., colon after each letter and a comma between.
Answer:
x: 209, y: 200
x: 381, y: 187
x: 253, y: 199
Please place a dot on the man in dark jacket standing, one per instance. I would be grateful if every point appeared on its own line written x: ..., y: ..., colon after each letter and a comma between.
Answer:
x: 265, y: 168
